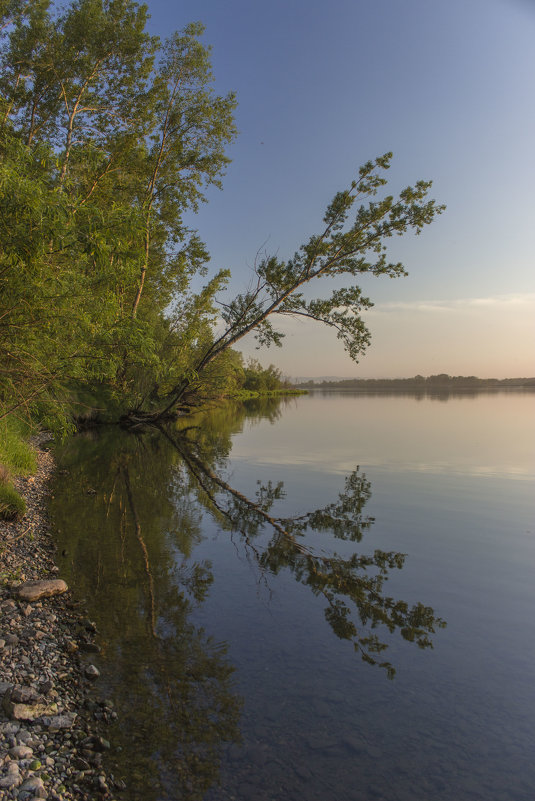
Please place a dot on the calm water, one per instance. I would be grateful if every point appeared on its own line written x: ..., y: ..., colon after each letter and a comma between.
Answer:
x: 330, y: 599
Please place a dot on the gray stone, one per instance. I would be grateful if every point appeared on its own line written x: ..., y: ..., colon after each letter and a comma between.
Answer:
x: 11, y: 728
x: 20, y: 752
x: 11, y: 780
x: 23, y: 695
x: 302, y: 771
x: 33, y: 786
x: 43, y: 588
x: 22, y: 711
x: 89, y: 647
x: 65, y: 721
x: 96, y: 743
x: 88, y: 624
x: 92, y: 672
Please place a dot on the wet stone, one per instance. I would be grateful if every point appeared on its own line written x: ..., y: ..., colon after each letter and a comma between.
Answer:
x: 60, y: 721
x: 89, y: 647
x: 92, y: 672
x: 302, y: 771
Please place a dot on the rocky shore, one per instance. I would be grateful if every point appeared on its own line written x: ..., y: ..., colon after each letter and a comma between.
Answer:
x: 52, y: 722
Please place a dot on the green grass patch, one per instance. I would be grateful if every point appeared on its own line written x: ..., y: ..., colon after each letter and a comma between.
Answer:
x: 11, y: 504
x: 15, y: 453
x: 16, y: 458
x: 247, y: 394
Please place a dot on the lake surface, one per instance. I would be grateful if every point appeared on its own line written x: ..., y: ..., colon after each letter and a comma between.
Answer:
x: 328, y: 598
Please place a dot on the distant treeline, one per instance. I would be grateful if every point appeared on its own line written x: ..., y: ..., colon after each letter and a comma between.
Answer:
x: 420, y: 383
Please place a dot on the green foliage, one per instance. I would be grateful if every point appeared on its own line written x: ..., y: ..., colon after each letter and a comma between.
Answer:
x: 418, y: 383
x: 107, y: 136
x: 345, y: 249
x: 340, y: 250
x: 260, y: 379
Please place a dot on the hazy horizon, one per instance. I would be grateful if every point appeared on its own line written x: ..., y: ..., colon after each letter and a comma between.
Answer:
x: 403, y: 377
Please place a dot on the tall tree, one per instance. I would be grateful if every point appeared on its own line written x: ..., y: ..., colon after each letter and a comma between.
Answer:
x: 187, y: 152
x: 107, y: 138
x: 341, y: 250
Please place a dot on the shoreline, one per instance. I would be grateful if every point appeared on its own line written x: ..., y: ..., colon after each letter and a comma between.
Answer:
x: 52, y: 741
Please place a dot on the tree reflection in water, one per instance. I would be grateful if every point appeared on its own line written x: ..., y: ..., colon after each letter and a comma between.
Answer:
x: 352, y: 585
x: 133, y: 557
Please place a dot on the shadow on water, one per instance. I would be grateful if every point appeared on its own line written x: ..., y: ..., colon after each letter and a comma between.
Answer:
x: 129, y: 514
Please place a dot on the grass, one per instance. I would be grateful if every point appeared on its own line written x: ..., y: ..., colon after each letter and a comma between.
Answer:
x: 246, y: 394
x: 15, y: 453
x: 16, y: 458
x: 11, y: 503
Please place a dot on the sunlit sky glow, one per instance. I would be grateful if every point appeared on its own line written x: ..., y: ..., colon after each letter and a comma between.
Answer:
x: 324, y: 86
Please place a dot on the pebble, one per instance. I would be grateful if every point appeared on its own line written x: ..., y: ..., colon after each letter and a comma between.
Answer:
x: 20, y: 752
x: 44, y: 679
x: 92, y: 672
x: 35, y: 786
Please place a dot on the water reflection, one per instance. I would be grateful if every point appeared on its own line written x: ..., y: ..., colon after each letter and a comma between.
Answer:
x: 352, y: 584
x: 133, y: 557
x: 171, y: 682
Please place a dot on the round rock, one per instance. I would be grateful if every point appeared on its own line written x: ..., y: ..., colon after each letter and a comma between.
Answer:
x: 92, y: 672
x: 43, y: 588
x: 20, y: 752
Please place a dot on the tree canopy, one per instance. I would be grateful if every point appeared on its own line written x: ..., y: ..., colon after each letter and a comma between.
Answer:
x: 108, y: 136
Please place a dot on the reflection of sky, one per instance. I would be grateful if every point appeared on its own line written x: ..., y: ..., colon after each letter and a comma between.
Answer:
x: 489, y: 435
x: 441, y: 494
x: 345, y: 467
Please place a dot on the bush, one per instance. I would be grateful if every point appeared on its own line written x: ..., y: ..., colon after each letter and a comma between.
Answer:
x: 11, y: 503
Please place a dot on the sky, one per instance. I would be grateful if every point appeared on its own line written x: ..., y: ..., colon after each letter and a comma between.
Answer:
x: 325, y: 85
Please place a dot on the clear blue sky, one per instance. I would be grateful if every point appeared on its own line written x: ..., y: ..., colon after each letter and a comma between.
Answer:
x: 324, y: 86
